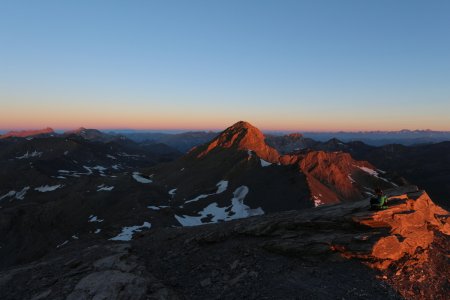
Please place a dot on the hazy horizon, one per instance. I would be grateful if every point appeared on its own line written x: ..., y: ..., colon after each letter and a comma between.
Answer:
x: 182, y: 130
x: 293, y: 66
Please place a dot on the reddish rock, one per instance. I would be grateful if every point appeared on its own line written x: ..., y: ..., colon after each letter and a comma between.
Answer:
x: 333, y: 174
x: 27, y: 133
x: 242, y: 136
x: 388, y: 248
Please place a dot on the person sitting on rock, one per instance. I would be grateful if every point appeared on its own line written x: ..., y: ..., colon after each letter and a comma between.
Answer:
x: 380, y: 201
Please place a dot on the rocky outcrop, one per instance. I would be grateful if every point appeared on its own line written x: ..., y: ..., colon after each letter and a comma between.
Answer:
x: 331, y: 252
x: 403, y: 248
x: 413, y: 221
x: 95, y: 272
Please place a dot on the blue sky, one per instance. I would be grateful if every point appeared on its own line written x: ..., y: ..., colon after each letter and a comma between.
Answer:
x: 306, y: 65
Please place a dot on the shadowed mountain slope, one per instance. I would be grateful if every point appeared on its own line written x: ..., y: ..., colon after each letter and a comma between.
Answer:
x: 239, y: 157
x: 337, y: 251
x: 52, y: 186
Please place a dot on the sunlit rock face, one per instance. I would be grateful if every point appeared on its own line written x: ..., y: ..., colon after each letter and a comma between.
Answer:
x: 28, y: 133
x: 412, y: 220
x: 243, y: 136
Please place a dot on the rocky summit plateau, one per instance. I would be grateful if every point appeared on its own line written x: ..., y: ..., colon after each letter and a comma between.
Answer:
x: 93, y: 215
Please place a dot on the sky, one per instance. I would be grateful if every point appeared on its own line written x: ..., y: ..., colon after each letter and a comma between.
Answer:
x: 281, y: 65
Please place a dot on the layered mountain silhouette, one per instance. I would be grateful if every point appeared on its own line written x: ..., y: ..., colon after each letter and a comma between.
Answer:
x: 183, y: 142
x: 96, y: 211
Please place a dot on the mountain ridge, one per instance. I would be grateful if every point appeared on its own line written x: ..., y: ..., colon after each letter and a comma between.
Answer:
x: 28, y: 133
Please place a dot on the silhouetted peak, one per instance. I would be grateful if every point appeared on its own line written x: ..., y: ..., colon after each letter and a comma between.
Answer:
x: 334, y: 141
x: 28, y: 133
x: 295, y: 135
x: 77, y: 131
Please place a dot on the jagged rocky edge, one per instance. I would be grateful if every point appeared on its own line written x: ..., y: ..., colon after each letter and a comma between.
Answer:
x: 378, y: 238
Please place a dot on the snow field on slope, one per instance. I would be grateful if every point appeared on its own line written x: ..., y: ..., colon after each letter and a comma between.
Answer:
x: 237, y: 210
x: 127, y: 232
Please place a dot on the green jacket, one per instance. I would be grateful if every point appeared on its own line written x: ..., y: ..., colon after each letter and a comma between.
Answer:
x: 382, y: 202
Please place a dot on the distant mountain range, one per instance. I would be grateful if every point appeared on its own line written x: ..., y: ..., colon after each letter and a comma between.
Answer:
x: 69, y: 177
x: 379, y: 138
x: 184, y: 141
x: 88, y: 214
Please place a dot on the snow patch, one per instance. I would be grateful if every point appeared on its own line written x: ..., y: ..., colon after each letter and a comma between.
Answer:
x: 381, y: 171
x: 237, y: 210
x: 97, y: 231
x: 221, y: 187
x: 30, y: 155
x: 198, y: 198
x: 62, y: 244
x: 93, y: 218
x: 265, y: 163
x: 376, y: 174
x: 157, y: 207
x: 127, y: 232
x: 78, y: 173
x: 105, y: 188
x: 48, y: 188
x: 8, y: 194
x: 369, y: 171
x: 137, y: 176
x: 110, y: 156
x: 99, y: 168
x: 351, y: 179
x: 317, y: 201
x: 172, y: 192
x: 19, y: 195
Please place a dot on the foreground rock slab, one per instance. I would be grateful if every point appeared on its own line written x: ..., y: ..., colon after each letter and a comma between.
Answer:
x: 342, y: 251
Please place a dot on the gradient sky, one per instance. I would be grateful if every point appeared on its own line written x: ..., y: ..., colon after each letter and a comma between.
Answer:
x: 281, y: 65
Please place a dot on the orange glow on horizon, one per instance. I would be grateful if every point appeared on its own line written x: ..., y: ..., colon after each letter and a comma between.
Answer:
x: 182, y: 125
x: 73, y: 115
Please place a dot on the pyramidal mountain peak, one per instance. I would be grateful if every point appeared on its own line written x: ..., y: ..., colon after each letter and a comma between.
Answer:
x: 243, y: 136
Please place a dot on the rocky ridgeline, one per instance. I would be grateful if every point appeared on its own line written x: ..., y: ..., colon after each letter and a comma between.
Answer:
x: 337, y: 251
